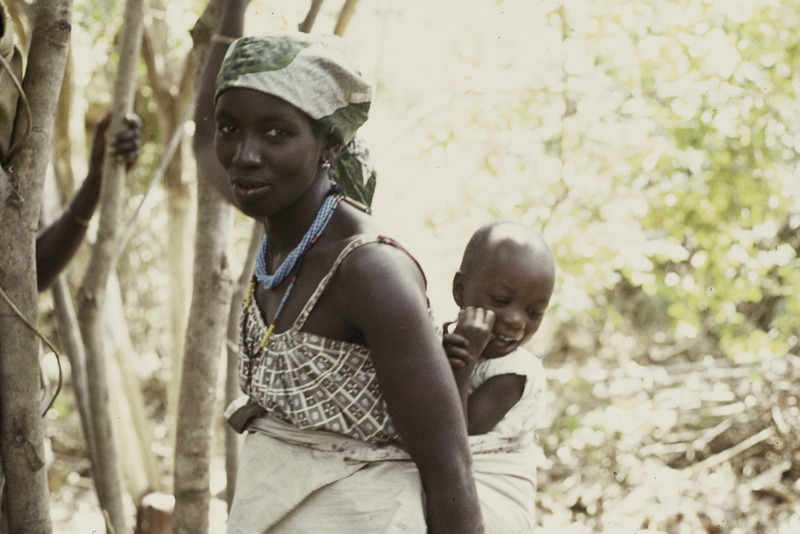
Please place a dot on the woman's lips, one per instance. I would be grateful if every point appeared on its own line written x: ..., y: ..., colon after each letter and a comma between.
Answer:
x: 245, y: 191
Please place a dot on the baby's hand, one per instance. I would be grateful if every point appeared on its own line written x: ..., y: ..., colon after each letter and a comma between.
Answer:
x: 455, y: 346
x: 475, y: 324
x: 471, y: 335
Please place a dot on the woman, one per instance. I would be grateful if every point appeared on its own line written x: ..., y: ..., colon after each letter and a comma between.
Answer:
x: 339, y: 354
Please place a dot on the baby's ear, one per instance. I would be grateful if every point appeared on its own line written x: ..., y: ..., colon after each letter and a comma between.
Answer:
x: 458, y: 289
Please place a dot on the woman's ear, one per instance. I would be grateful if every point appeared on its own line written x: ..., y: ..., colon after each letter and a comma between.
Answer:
x: 458, y: 289
x: 332, y: 149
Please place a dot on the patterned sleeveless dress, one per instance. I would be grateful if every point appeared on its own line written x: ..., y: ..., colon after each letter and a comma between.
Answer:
x: 309, y: 381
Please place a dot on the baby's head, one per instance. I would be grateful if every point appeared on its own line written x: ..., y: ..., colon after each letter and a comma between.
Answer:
x: 507, y: 268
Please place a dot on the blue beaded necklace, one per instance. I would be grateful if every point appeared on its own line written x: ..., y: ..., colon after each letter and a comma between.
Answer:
x: 294, y: 258
x: 287, y: 266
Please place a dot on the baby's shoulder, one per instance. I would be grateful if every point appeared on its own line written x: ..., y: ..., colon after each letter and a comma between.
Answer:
x: 520, y: 362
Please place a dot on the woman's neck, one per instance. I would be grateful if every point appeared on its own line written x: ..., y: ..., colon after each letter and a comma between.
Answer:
x: 284, y: 230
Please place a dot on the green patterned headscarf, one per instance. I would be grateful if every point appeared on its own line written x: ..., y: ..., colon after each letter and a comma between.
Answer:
x: 315, y: 74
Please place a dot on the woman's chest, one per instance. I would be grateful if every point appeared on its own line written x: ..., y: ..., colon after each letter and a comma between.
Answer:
x: 303, y: 303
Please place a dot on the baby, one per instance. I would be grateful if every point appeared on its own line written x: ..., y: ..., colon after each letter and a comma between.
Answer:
x: 503, y: 288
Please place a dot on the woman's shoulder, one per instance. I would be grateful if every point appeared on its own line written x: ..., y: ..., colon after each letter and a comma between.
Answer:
x: 373, y: 271
x: 365, y: 244
x: 376, y: 255
x: 369, y: 259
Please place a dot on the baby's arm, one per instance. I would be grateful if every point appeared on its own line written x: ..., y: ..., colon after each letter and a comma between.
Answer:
x: 492, y: 400
x: 465, y: 345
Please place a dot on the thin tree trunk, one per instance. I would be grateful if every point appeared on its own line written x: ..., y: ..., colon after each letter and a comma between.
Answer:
x: 92, y: 292
x: 311, y: 16
x: 134, y: 433
x: 62, y: 140
x: 21, y: 183
x: 164, y: 79
x: 72, y: 345
x: 347, y: 12
x: 173, y: 91
x: 179, y: 263
x: 205, y: 334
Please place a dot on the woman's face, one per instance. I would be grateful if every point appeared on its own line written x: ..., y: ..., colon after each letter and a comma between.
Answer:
x: 270, y: 149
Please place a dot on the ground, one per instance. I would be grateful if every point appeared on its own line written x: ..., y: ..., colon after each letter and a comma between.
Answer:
x: 707, y: 446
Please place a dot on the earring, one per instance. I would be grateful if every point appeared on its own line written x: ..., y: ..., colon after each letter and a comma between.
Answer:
x: 326, y: 165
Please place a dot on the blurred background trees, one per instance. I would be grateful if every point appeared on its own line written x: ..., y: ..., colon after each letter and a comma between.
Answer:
x: 655, y: 143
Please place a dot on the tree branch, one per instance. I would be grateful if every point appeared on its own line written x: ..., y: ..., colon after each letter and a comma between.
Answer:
x: 345, y: 15
x: 93, y: 289
x: 311, y: 16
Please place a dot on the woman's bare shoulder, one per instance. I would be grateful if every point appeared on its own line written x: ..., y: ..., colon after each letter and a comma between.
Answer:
x: 383, y: 259
x: 380, y: 281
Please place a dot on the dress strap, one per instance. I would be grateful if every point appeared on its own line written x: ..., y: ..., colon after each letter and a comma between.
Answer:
x: 357, y: 242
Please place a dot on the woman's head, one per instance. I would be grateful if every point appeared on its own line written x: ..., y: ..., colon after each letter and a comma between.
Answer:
x: 315, y: 75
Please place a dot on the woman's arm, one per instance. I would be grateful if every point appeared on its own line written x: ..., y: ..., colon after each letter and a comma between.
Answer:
x: 208, y: 167
x: 385, y: 299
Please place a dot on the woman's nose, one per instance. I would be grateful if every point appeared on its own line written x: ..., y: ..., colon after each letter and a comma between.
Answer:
x: 247, y: 153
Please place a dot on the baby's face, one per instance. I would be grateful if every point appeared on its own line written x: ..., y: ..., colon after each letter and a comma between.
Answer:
x: 516, y: 285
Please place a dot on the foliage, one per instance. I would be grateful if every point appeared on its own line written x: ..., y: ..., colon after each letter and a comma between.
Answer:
x: 657, y: 145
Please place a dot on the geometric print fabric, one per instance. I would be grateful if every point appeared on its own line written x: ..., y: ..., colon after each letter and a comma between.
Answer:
x: 309, y: 381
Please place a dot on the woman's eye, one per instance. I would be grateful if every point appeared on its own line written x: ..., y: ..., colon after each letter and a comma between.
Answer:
x: 536, y: 315
x: 275, y: 132
x: 225, y: 128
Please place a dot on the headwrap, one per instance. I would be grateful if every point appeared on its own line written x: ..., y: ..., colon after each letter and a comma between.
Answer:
x: 315, y: 74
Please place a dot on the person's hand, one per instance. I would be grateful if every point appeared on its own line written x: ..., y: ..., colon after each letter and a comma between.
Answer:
x: 455, y: 346
x: 124, y: 146
x: 127, y: 142
x: 465, y: 344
